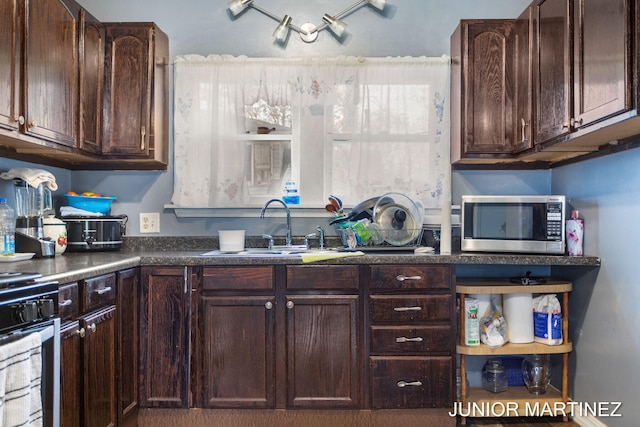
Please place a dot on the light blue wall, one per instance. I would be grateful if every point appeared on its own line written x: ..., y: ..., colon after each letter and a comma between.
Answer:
x: 604, y: 314
x: 416, y: 27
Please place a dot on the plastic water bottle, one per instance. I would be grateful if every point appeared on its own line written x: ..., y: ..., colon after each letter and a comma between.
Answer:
x: 291, y: 194
x: 7, y: 228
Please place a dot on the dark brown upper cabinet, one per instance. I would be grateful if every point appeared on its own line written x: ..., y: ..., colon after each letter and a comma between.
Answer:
x: 10, y: 58
x: 523, y: 102
x: 39, y: 70
x: 574, y: 90
x: 50, y: 86
x: 482, y: 89
x: 552, y: 69
x: 136, y: 106
x: 70, y: 97
x: 602, y: 72
x: 92, y: 42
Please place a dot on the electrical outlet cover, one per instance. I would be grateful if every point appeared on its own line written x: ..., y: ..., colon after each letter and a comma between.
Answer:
x: 150, y: 222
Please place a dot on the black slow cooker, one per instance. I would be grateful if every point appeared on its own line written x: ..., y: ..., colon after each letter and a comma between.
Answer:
x: 95, y: 233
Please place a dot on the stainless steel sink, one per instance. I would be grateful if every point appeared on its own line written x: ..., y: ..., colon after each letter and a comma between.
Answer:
x: 276, y: 251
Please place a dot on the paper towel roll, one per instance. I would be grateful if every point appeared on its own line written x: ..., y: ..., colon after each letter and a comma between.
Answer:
x: 518, y: 312
x: 485, y: 302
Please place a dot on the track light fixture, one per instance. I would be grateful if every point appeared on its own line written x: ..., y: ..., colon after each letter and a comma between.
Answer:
x: 308, y: 32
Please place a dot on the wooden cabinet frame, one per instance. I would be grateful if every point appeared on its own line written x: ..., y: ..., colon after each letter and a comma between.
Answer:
x: 514, y: 394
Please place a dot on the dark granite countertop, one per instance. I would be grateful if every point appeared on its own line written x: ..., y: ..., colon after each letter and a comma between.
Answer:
x: 73, y: 266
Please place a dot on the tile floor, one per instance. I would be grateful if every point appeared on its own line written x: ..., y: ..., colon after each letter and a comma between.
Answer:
x: 519, y: 422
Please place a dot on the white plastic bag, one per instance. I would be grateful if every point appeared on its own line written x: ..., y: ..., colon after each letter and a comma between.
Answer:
x: 493, y: 328
x: 547, y: 320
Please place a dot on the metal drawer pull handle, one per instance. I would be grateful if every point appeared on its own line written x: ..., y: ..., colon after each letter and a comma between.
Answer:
x: 65, y: 303
x: 405, y: 339
x: 402, y: 278
x: 290, y: 304
x: 81, y: 332
x: 268, y: 305
x: 92, y: 327
x: 103, y: 291
x: 407, y: 308
x: 411, y: 383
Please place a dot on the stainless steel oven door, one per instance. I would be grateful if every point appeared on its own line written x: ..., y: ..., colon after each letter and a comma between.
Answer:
x: 50, y: 381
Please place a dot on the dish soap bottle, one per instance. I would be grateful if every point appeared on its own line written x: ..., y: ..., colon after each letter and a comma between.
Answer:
x: 291, y: 194
x: 7, y: 228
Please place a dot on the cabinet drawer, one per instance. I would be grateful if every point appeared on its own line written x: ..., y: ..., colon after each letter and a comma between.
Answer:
x: 410, y: 277
x: 409, y: 308
x: 237, y: 278
x: 68, y: 301
x: 405, y: 340
x: 339, y: 277
x: 411, y: 382
x: 98, y: 292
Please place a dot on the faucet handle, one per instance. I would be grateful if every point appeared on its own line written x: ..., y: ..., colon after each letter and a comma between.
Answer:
x: 269, y: 238
x: 321, y: 239
x: 307, y: 237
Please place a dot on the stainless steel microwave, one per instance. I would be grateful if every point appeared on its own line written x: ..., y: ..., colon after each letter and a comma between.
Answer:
x: 520, y: 224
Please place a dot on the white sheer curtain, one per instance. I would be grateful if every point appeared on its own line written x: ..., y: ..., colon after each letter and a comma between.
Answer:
x: 366, y: 126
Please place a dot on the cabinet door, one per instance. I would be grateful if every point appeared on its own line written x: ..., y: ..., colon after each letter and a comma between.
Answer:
x: 602, y: 71
x: 128, y: 295
x: 51, y: 71
x: 523, y: 96
x: 99, y: 362
x: 136, y: 92
x: 486, y: 87
x: 128, y: 90
x: 322, y: 351
x: 164, y: 337
x: 552, y: 69
x: 238, y: 346
x: 71, y: 383
x: 91, y: 82
x: 10, y: 40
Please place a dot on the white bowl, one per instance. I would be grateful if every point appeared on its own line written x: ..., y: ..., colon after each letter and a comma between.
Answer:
x: 231, y: 240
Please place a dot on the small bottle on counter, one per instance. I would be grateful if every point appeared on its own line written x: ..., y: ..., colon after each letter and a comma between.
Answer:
x: 291, y: 194
x: 7, y: 228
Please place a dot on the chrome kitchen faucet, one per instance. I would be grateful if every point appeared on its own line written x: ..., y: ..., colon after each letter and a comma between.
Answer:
x: 286, y: 208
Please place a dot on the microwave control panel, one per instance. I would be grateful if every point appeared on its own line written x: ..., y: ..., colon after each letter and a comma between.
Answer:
x: 554, y: 220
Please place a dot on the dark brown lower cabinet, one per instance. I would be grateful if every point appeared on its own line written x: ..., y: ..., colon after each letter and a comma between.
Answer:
x: 99, y: 367
x: 411, y: 327
x: 71, y: 384
x: 322, y: 351
x: 164, y: 341
x: 128, y: 297
x: 293, y: 337
x: 410, y: 382
x: 239, y: 352
x: 260, y: 348
x: 88, y: 352
x: 99, y: 350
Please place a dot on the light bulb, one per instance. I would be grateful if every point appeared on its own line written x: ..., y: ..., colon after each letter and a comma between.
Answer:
x: 378, y: 4
x: 335, y: 25
x: 237, y: 6
x: 282, y: 30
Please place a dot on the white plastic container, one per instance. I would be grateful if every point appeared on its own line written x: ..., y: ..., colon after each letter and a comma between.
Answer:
x: 231, y: 240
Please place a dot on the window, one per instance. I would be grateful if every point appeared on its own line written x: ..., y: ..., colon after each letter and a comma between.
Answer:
x: 353, y: 127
